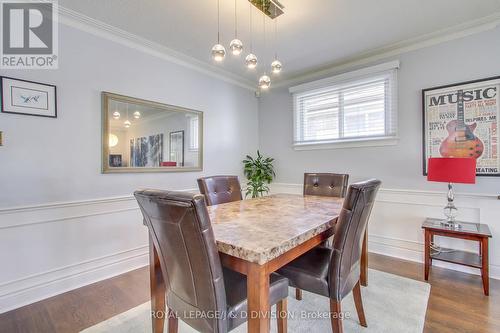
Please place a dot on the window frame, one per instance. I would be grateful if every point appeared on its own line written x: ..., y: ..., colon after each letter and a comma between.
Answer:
x: 391, y: 117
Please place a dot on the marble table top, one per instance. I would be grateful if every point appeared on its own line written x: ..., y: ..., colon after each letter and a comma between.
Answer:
x: 259, y: 230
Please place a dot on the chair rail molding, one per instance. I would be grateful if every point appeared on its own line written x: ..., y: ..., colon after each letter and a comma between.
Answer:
x: 66, y: 245
x: 395, y: 226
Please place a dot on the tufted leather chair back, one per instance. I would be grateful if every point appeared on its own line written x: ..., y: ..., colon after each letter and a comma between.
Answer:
x: 180, y: 228
x: 220, y: 189
x: 326, y: 184
x: 344, y: 271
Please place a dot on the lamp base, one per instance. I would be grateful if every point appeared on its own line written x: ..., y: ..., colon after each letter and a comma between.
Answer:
x: 451, y: 224
x: 450, y: 211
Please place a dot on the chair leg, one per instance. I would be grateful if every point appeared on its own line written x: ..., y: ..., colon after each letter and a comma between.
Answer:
x: 298, y: 294
x: 173, y: 322
x: 335, y: 315
x: 281, y: 310
x: 356, y: 292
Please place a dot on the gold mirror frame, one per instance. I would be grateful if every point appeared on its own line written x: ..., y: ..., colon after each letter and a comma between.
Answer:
x: 106, y: 97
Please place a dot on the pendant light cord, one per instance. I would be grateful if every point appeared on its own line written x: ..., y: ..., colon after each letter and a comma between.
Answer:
x: 264, y: 23
x: 218, y: 21
x: 251, y: 27
x: 235, y: 19
x: 275, y: 35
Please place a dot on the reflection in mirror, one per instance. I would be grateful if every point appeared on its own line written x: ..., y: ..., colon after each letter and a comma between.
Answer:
x: 143, y: 136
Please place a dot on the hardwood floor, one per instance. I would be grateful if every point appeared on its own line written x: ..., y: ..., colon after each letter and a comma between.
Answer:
x: 456, y: 304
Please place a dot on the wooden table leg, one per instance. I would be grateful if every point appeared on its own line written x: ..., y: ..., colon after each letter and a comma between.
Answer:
x: 485, y: 266
x: 157, y: 285
x: 258, y: 299
x: 427, y: 253
x: 364, y: 261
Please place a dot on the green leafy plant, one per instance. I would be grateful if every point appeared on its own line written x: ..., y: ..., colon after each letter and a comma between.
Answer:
x: 259, y: 172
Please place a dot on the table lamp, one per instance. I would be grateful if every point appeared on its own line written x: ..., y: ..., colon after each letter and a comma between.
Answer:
x: 451, y: 170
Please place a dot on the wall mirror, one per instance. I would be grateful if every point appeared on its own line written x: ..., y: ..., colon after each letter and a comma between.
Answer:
x: 145, y: 136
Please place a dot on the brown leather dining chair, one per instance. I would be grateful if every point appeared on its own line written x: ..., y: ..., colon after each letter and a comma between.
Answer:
x: 328, y: 185
x: 335, y: 272
x: 220, y: 189
x: 191, y: 273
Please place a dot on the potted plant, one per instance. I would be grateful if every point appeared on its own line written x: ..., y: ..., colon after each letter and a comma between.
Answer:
x: 259, y: 172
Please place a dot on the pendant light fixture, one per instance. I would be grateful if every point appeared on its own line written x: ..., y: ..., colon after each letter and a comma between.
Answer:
x: 127, y: 122
x: 218, y: 51
x: 276, y: 65
x: 251, y: 59
x: 265, y: 80
x: 137, y: 115
x: 236, y: 45
x: 116, y: 115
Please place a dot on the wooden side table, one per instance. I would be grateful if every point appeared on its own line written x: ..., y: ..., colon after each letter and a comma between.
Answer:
x: 470, y: 231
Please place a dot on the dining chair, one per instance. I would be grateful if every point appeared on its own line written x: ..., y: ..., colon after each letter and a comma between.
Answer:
x: 220, y: 189
x: 328, y: 185
x: 335, y: 272
x: 190, y: 274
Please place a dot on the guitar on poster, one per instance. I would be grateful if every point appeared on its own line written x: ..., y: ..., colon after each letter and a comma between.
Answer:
x: 461, y: 140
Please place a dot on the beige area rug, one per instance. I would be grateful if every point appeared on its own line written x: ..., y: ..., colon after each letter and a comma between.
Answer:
x: 392, y: 304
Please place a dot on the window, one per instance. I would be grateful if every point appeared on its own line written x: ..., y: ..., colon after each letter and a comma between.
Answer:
x: 353, y: 109
x: 193, y: 130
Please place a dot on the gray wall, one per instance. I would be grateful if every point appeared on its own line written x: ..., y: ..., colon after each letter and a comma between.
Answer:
x: 400, y: 166
x: 48, y: 160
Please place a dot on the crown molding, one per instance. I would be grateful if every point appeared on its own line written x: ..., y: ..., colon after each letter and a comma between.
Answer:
x: 98, y: 28
x: 462, y: 30
x: 85, y: 23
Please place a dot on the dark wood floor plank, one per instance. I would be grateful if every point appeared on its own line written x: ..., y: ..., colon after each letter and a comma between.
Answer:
x: 456, y: 304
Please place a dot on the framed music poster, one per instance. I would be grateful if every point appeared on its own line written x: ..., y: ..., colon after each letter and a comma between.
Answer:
x: 461, y: 120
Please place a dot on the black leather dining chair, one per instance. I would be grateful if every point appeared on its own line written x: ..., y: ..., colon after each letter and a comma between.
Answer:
x: 220, y: 189
x: 335, y: 272
x: 327, y: 185
x: 193, y: 278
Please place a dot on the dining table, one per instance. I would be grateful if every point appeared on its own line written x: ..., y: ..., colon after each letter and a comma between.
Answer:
x: 256, y: 237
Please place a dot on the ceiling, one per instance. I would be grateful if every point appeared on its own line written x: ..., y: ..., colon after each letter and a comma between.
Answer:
x: 312, y: 34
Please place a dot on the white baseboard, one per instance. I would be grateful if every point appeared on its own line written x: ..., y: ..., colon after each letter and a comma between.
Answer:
x: 15, y: 294
x: 63, y: 246
x: 49, y: 249
x: 395, y: 231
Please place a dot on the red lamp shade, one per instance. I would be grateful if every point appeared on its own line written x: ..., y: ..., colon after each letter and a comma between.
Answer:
x: 452, y: 170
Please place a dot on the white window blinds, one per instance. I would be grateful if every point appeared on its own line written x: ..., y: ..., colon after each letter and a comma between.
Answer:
x: 356, y: 109
x: 193, y: 133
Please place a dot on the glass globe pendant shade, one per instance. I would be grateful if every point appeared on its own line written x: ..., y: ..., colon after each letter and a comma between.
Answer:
x: 251, y: 61
x: 276, y: 66
x: 218, y: 52
x: 113, y: 140
x: 264, y: 82
x: 127, y: 124
x: 236, y: 46
x: 137, y: 115
x: 116, y: 115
